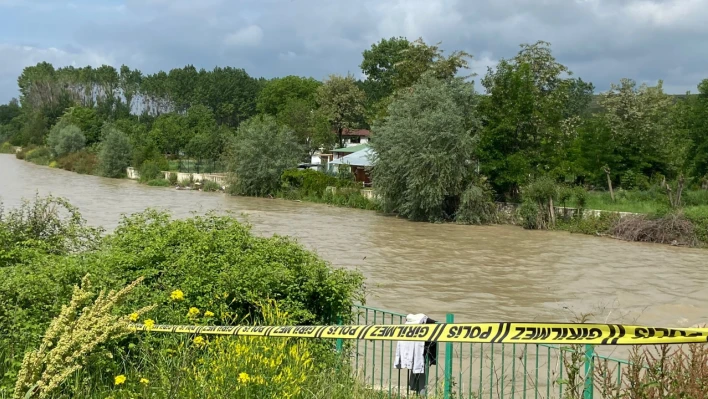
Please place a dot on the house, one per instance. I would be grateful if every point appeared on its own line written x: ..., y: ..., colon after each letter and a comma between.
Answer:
x: 353, y: 137
x: 359, y: 161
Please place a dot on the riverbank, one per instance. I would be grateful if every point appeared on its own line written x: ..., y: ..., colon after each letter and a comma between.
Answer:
x: 683, y: 227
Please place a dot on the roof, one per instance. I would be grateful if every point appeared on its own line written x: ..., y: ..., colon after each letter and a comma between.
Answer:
x: 364, y: 157
x: 356, y: 132
x: 351, y: 149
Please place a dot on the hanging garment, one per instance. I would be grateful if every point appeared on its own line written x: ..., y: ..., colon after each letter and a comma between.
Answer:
x: 430, y: 349
x: 411, y: 355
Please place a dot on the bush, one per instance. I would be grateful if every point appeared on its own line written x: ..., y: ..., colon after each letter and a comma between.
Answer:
x: 65, y: 140
x: 591, y: 224
x: 310, y: 182
x: 39, y: 156
x: 83, y: 162
x: 172, y: 178
x: 476, y: 206
x: 47, y: 225
x: 259, y: 154
x: 210, y: 186
x: 530, y: 214
x: 150, y: 170
x: 159, y: 183
x: 115, y: 153
x: 7, y: 148
x: 215, y: 261
x: 699, y: 217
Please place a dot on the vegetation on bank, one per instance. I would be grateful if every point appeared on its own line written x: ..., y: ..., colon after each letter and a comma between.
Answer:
x: 444, y: 152
x: 210, y: 263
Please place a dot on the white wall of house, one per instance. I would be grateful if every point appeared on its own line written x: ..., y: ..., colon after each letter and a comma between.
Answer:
x: 348, y: 141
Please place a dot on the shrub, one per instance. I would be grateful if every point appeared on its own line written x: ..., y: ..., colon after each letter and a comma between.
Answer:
x: 259, y: 154
x: 115, y: 153
x: 310, y: 182
x: 159, y: 183
x: 476, y: 206
x: 39, y: 156
x: 83, y: 162
x: 150, y: 170
x: 591, y: 224
x: 64, y: 140
x: 172, y: 178
x: 529, y: 213
x: 210, y: 186
x: 699, y: 217
x: 50, y: 224
x: 7, y: 148
x: 581, y: 197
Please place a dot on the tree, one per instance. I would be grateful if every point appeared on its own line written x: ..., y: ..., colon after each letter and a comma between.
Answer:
x: 696, y: 120
x: 420, y: 58
x: 86, y: 119
x: 424, y: 149
x: 639, y: 119
x: 527, y: 132
x: 116, y: 152
x: 379, y: 66
x: 278, y: 92
x: 259, y: 154
x: 9, y: 111
x: 63, y: 140
x: 341, y: 102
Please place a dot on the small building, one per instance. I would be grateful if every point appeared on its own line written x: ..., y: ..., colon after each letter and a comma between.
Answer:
x: 360, y: 163
x: 354, y: 137
x: 344, y: 151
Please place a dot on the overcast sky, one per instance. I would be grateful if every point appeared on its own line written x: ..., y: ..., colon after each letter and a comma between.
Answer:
x: 600, y: 40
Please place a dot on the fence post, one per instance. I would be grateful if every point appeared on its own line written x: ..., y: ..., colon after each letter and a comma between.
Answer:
x: 589, y: 371
x: 447, y: 388
x: 340, y: 342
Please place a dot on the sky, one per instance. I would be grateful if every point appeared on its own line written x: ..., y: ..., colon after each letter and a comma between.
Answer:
x: 601, y: 41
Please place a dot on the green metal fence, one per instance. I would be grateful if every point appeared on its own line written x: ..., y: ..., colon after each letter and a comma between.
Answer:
x: 493, y: 371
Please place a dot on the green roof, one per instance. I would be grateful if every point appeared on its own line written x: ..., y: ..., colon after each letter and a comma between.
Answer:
x: 351, y: 149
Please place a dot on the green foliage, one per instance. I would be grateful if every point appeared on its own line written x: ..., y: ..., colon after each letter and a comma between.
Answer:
x: 476, y: 206
x: 65, y: 140
x: 259, y: 154
x: 278, y: 92
x: 150, y: 170
x: 341, y: 103
x: 350, y: 198
x: 379, y: 65
x: 83, y: 162
x: 210, y: 186
x: 47, y: 225
x: 590, y: 224
x: 310, y: 182
x: 159, y: 183
x: 172, y: 178
x: 699, y: 217
x: 7, y: 148
x: 39, y: 156
x: 530, y: 214
x: 528, y: 132
x: 419, y: 58
x: 415, y: 172
x: 86, y: 119
x: 116, y: 152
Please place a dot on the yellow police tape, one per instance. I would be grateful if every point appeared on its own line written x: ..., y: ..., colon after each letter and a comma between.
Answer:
x: 507, y: 333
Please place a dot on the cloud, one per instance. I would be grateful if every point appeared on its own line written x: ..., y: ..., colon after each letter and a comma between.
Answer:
x: 248, y: 36
x: 601, y: 41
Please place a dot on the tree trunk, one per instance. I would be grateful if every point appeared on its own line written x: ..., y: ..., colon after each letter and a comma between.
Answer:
x: 553, y: 211
x: 339, y: 133
x: 679, y: 190
x: 609, y: 182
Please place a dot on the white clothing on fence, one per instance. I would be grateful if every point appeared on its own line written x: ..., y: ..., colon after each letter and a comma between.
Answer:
x: 409, y: 355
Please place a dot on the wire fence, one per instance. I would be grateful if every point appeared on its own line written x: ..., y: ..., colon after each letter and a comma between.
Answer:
x: 493, y: 371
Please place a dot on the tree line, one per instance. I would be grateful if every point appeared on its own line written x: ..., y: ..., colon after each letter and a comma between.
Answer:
x: 435, y: 129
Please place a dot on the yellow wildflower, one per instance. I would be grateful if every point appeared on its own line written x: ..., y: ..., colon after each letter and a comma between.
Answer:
x: 177, y: 295
x: 149, y: 324
x: 120, y: 379
x: 199, y: 341
x: 144, y: 381
x: 244, y: 378
x: 208, y: 314
x: 133, y: 317
x: 193, y: 312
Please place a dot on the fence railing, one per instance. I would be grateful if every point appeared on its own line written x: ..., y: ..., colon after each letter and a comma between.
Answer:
x: 493, y: 371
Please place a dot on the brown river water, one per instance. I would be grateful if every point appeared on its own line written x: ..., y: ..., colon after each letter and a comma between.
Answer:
x: 488, y: 273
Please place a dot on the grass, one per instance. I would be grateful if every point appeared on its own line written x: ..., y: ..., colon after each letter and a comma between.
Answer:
x: 191, y: 166
x: 646, y: 202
